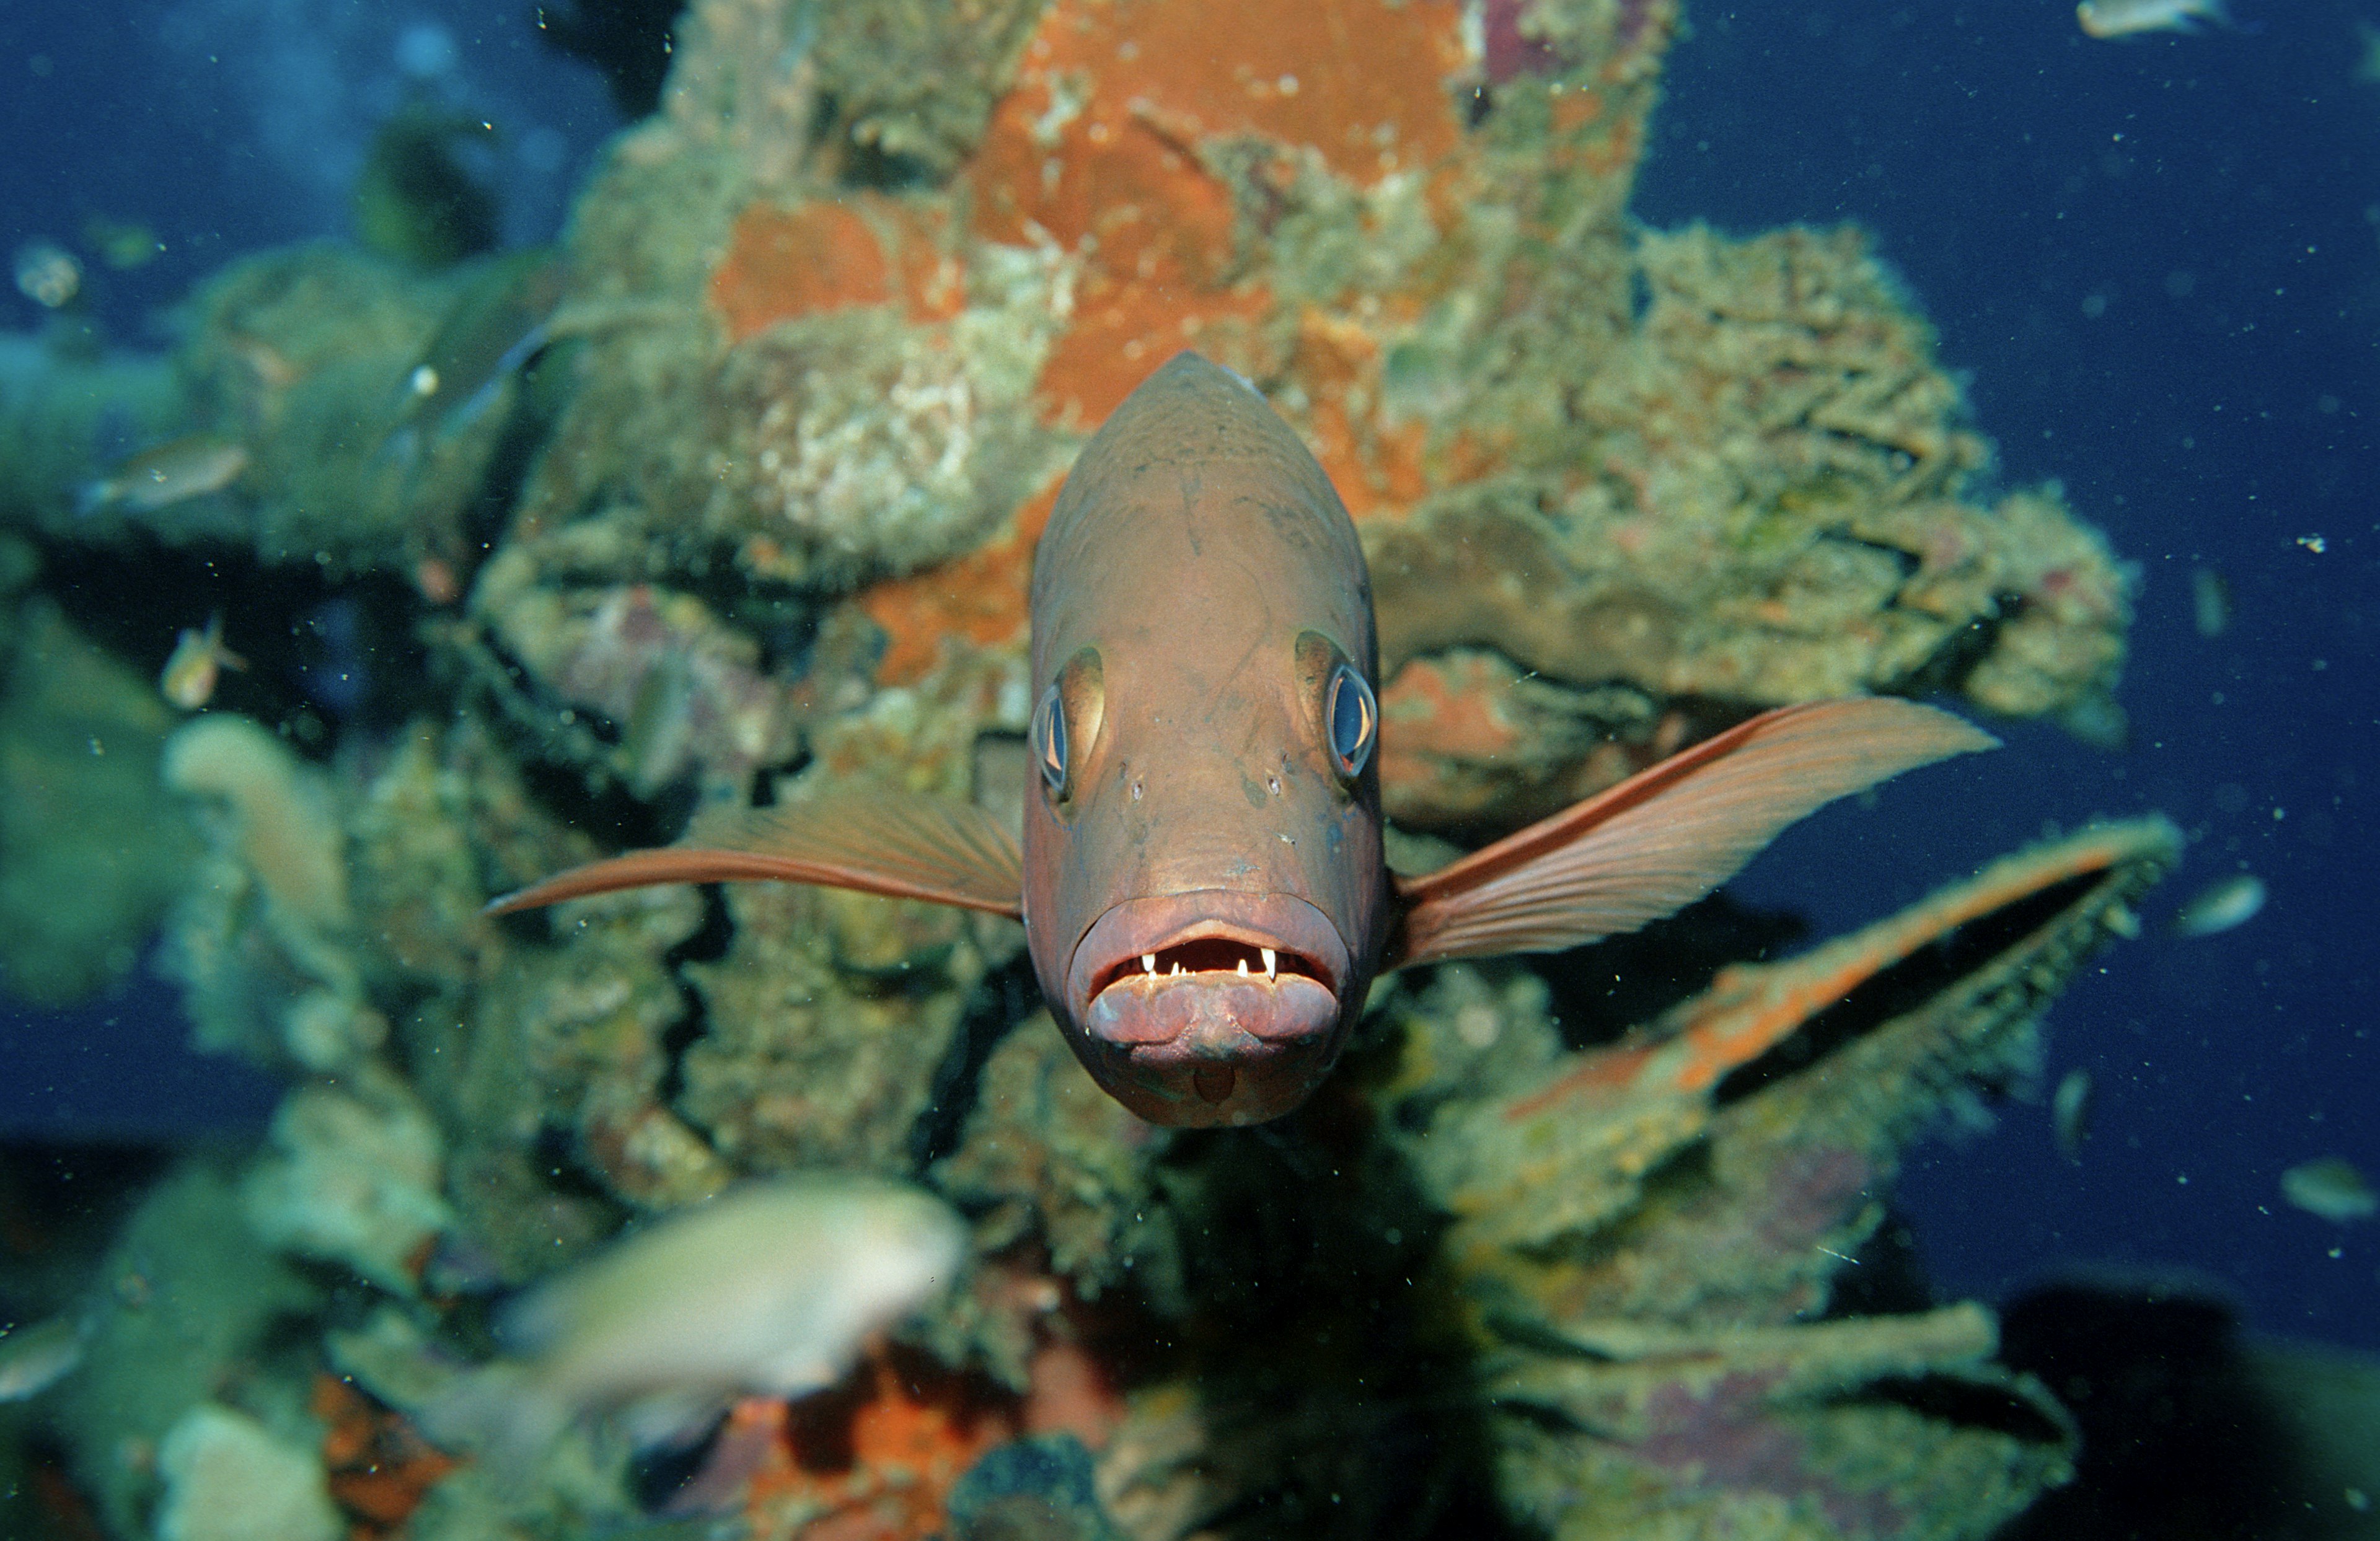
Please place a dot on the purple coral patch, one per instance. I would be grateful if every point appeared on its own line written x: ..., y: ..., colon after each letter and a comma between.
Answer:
x: 1509, y: 52
x: 1726, y: 1438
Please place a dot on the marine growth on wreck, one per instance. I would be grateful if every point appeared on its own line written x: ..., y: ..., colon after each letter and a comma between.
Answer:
x: 730, y: 500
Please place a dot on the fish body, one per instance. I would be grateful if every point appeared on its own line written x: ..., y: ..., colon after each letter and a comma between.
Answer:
x: 175, y: 471
x: 1201, y: 878
x: 768, y: 1289
x: 2123, y: 19
x: 197, y: 661
x: 1195, y: 595
x: 2331, y: 1188
x: 2210, y: 602
x: 2221, y: 905
x: 35, y: 1356
x: 494, y: 328
x: 48, y: 275
x: 2069, y: 1113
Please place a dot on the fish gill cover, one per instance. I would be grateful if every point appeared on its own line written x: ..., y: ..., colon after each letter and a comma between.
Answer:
x: 733, y: 496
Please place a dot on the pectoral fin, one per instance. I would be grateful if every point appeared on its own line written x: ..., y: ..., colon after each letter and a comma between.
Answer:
x: 1668, y: 834
x: 894, y: 843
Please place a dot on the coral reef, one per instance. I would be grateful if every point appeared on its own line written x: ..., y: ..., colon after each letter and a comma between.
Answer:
x: 732, y: 499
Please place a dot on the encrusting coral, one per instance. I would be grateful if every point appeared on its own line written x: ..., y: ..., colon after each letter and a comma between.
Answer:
x: 732, y: 498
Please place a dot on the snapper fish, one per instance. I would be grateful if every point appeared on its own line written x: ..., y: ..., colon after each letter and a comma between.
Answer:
x: 2124, y: 19
x: 1202, y: 881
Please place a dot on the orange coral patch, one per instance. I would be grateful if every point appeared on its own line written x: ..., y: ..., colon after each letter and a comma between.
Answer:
x: 1374, y: 462
x: 1097, y: 148
x: 1363, y: 81
x: 879, y: 1457
x: 1441, y: 708
x: 1121, y: 331
x: 379, y: 1467
x: 981, y: 597
x: 865, y: 250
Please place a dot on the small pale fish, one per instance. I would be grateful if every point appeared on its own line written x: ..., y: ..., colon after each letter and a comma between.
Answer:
x: 2331, y: 1188
x: 35, y: 1356
x: 2069, y: 1113
x: 2210, y: 602
x: 768, y: 1289
x: 121, y: 244
x: 2221, y: 905
x: 175, y: 471
x: 47, y: 274
x: 199, y: 660
x: 2124, y: 19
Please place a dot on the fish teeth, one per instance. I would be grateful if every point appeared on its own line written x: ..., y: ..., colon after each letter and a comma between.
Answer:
x: 1149, y: 963
x: 1244, y: 968
x: 1271, y: 961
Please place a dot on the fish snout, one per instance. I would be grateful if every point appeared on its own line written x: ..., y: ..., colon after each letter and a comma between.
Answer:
x: 1210, y: 1008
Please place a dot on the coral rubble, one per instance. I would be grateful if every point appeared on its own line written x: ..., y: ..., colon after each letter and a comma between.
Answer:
x: 732, y: 499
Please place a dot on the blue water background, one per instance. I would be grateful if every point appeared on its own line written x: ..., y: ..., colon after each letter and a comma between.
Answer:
x: 2154, y: 263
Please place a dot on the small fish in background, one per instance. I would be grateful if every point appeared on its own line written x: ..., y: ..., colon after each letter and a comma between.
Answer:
x: 48, y: 275
x: 2330, y: 1188
x: 199, y: 660
x: 121, y: 244
x: 175, y: 471
x: 2069, y: 1113
x: 2124, y: 19
x: 35, y: 1356
x: 497, y: 325
x: 2221, y: 905
x: 768, y: 1289
x: 2210, y: 602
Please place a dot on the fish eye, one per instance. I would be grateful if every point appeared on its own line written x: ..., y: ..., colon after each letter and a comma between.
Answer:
x: 1352, y: 717
x: 1048, y: 740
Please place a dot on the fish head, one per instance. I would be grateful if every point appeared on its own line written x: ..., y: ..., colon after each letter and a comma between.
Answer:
x: 1205, y: 892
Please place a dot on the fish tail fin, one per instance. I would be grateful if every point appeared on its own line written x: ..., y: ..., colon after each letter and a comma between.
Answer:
x: 1668, y: 834
x: 498, y: 1411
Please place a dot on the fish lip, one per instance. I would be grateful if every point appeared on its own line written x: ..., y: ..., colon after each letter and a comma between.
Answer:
x: 1308, y: 944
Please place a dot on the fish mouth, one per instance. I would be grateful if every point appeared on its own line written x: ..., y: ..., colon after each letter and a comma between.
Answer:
x: 1210, y: 1007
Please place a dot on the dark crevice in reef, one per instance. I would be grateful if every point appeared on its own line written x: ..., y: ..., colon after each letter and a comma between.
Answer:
x: 629, y: 43
x: 569, y: 785
x: 708, y: 944
x: 322, y: 652
x: 1304, y: 1299
x: 1946, y: 672
x: 1006, y: 997
x: 1600, y: 992
x: 561, y: 1167
x: 1906, y: 986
